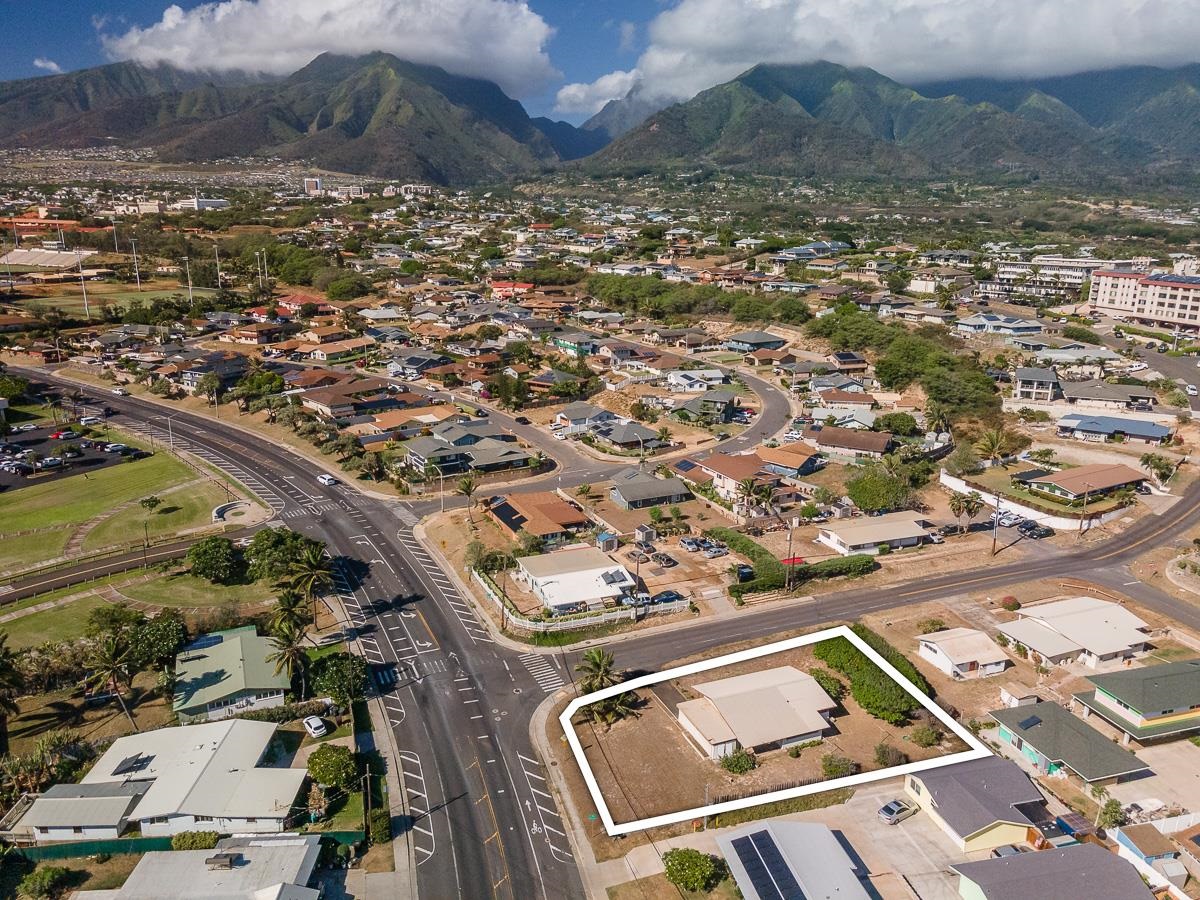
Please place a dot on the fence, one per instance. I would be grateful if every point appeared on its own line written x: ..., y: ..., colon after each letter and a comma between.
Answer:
x: 570, y: 623
x: 75, y: 849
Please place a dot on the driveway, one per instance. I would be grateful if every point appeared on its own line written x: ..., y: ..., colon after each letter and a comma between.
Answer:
x: 1176, y: 778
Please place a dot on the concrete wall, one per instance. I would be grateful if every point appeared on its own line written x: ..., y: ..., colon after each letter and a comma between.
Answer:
x: 1062, y: 523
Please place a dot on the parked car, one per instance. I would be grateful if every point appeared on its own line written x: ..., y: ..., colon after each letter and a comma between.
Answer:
x: 1037, y: 532
x: 1008, y: 850
x: 896, y: 811
x: 936, y: 538
x: 715, y: 552
x: 115, y: 448
x: 1007, y: 520
x: 745, y: 572
x: 315, y: 726
x: 50, y: 462
x: 28, y: 426
x: 666, y: 597
x: 327, y: 480
x: 90, y: 420
x: 64, y: 435
x: 948, y: 530
x: 522, y: 420
x: 664, y: 560
x: 1191, y: 390
x: 120, y: 392
x: 691, y: 545
x: 637, y: 556
x: 645, y: 546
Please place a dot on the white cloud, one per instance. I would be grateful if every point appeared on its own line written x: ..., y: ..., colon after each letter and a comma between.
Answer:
x: 628, y: 36
x: 698, y: 43
x: 47, y: 65
x: 502, y: 40
x: 590, y: 97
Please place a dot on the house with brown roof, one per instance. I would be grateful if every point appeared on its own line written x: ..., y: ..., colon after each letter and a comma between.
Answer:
x: 835, y: 397
x: 789, y: 460
x: 542, y: 513
x: 1091, y: 481
x: 848, y: 443
x: 324, y: 334
x: 254, y: 334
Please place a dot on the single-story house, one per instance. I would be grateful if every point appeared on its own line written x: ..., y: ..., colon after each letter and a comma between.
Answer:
x: 838, y: 399
x: 789, y: 460
x: 226, y: 672
x: 1091, y: 481
x: 762, y: 710
x: 635, y: 489
x: 1077, y: 872
x: 575, y: 578
x: 776, y: 859
x: 991, y: 323
x: 1159, y: 701
x: 980, y: 804
x: 1084, y: 629
x: 1145, y: 845
x: 625, y: 434
x: 848, y: 443
x: 1056, y: 742
x: 541, y: 513
x: 1083, y: 427
x: 749, y: 341
x: 962, y: 652
x: 898, y: 529
x: 192, y: 778
x: 1100, y: 394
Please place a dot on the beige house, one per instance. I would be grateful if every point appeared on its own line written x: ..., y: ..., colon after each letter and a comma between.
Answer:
x: 962, y: 653
x: 868, y: 534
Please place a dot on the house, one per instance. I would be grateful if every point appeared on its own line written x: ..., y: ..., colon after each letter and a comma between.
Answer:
x: 1040, y: 385
x: 1090, y: 481
x: 226, y: 672
x: 1084, y: 629
x: 991, y: 323
x: 1078, y: 872
x: 789, y: 460
x: 770, y: 357
x: 1056, y: 742
x: 575, y: 579
x: 1084, y: 427
x: 838, y: 399
x: 715, y: 406
x: 635, y: 489
x: 546, y: 382
x: 749, y: 341
x: 1099, y: 394
x: 726, y: 472
x: 695, y: 380
x: 323, y: 334
x: 624, y: 434
x: 778, y: 859
x: 415, y: 362
x: 848, y: 443
x: 541, y: 513
x: 342, y: 350
x: 576, y: 343
x: 868, y: 534
x: 192, y: 778
x: 238, y: 868
x: 1160, y: 701
x: 344, y: 398
x: 847, y: 362
x: 580, y: 416
x: 766, y: 710
x: 962, y: 653
x: 255, y: 334
x: 1146, y: 846
x: 980, y: 804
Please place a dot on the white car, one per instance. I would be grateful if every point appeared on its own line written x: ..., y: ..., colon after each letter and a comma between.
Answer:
x: 315, y: 726
x: 120, y: 392
x: 1191, y: 390
x: 327, y: 480
x: 90, y: 420
x: 1142, y: 367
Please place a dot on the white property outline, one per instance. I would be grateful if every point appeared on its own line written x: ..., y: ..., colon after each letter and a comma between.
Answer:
x: 978, y: 749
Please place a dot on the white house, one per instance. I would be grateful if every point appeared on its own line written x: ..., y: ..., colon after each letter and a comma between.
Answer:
x: 575, y: 578
x: 695, y: 380
x: 866, y: 535
x: 758, y: 711
x: 962, y: 652
x: 1082, y: 629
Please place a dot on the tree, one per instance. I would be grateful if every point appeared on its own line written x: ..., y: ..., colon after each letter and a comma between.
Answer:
x: 112, y: 664
x: 584, y: 490
x: 900, y: 423
x: 209, y: 386
x: 272, y: 553
x: 596, y: 669
x: 466, y: 486
x: 12, y: 681
x: 967, y: 505
x: 340, y: 676
x: 113, y: 618
x: 1043, y: 456
x: 290, y: 655
x: 993, y: 445
x: 156, y: 641
x: 1111, y: 814
x: 333, y: 766
x: 873, y: 490
x: 291, y: 610
x: 962, y: 461
x: 746, y: 489
x: 311, y: 572
x: 46, y: 882
x: 1157, y: 465
x: 215, y: 559
x: 689, y: 869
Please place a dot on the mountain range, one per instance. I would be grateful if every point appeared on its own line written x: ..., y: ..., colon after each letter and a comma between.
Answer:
x: 379, y: 115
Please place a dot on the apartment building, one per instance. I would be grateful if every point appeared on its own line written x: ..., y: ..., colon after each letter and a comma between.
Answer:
x: 1159, y: 299
x: 1045, y: 277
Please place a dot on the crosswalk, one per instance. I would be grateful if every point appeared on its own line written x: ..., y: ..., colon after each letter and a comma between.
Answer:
x: 310, y: 508
x: 454, y: 599
x: 423, y: 840
x: 544, y: 671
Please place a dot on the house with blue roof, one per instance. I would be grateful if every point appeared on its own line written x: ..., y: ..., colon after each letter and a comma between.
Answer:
x: 1100, y: 429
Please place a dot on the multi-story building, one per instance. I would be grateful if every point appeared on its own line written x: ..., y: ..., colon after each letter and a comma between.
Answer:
x: 1053, y: 278
x: 1158, y: 299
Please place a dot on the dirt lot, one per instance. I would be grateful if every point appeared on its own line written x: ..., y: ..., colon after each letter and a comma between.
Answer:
x: 630, y: 759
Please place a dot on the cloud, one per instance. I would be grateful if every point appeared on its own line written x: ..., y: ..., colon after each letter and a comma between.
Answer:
x: 698, y: 43
x: 590, y: 97
x: 628, y: 39
x: 47, y: 65
x: 502, y: 40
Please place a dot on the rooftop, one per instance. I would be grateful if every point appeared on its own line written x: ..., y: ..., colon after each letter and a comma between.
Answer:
x: 1093, y: 477
x: 965, y: 644
x: 973, y: 795
x: 762, y: 707
x: 1064, y: 738
x: 216, y: 665
x: 1078, y: 872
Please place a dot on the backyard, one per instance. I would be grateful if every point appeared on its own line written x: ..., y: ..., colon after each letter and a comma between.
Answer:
x: 1000, y: 479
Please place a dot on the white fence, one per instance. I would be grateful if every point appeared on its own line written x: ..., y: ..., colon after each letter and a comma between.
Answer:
x: 573, y: 622
x: 1063, y: 523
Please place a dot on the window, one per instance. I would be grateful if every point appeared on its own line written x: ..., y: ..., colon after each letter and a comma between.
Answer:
x: 76, y: 830
x: 203, y: 818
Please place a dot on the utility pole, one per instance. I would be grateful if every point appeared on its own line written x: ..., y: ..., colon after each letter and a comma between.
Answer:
x: 996, y: 524
x: 258, y: 268
x: 82, y: 284
x: 217, y: 256
x: 116, y: 246
x: 136, y: 274
x: 1087, y: 489
x: 188, y: 266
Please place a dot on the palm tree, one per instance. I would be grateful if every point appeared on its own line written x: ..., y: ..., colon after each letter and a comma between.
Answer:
x: 891, y: 465
x: 466, y: 486
x: 992, y: 445
x: 596, y: 669
x: 111, y: 665
x: 290, y: 655
x: 614, y: 709
x: 664, y: 434
x: 936, y: 417
x: 11, y: 683
x: 1158, y: 466
x: 311, y: 572
x: 745, y: 491
x: 766, y: 494
x: 967, y: 505
x: 291, y: 610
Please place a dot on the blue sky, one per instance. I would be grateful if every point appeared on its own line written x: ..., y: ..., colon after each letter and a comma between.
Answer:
x: 589, y: 39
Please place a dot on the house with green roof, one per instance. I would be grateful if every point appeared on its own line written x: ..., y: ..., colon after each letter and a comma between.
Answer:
x: 1150, y: 703
x: 225, y: 673
x: 1056, y: 742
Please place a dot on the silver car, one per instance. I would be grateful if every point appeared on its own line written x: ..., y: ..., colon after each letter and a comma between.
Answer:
x: 896, y: 811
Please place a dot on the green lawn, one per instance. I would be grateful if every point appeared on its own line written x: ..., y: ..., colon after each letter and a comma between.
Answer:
x: 61, y: 623
x: 182, y: 589
x: 22, y: 552
x: 180, y: 510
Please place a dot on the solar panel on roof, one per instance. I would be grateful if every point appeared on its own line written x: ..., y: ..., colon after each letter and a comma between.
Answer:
x: 1026, y: 724
x: 685, y: 465
x: 134, y: 763
x: 766, y: 868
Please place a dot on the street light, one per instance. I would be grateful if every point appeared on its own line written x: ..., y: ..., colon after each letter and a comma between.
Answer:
x: 82, y: 284
x: 170, y: 429
x: 116, y: 247
x: 217, y: 256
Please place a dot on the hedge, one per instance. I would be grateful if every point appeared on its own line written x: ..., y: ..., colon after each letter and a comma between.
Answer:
x: 901, y: 662
x: 769, y: 573
x: 872, y: 689
x: 288, y: 712
x: 194, y: 840
x: 381, y: 825
x: 853, y: 566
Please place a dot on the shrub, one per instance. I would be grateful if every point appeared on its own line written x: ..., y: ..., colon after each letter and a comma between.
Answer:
x: 834, y: 766
x: 690, y: 869
x: 926, y: 736
x: 1010, y: 603
x: 883, y: 549
x: 739, y: 762
x: 872, y: 689
x: 929, y: 626
x: 830, y: 684
x: 288, y: 712
x: 381, y: 825
x: 333, y: 765
x: 887, y: 756
x: 1002, y: 640
x: 895, y: 657
x: 1111, y: 815
x: 850, y: 566
x: 47, y: 882
x: 1021, y: 651
x: 194, y: 840
x: 769, y: 572
x: 794, y: 752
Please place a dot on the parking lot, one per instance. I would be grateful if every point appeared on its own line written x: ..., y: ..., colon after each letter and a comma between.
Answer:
x: 35, y: 456
x: 690, y: 574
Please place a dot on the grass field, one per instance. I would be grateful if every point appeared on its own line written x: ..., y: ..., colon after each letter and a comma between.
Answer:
x: 656, y: 887
x: 180, y: 510
x: 20, y: 552
x: 183, y: 589
x: 69, y: 297
x: 61, y: 623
